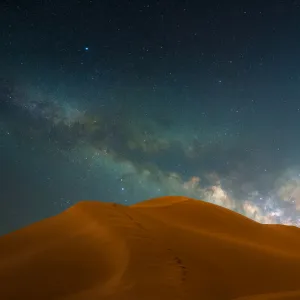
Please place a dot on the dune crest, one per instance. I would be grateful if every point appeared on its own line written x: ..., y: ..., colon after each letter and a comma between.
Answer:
x: 164, y: 248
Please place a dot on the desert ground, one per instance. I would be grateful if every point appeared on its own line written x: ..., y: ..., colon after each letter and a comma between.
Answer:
x: 166, y: 248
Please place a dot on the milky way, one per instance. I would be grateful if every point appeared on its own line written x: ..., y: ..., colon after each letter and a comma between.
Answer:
x: 144, y: 156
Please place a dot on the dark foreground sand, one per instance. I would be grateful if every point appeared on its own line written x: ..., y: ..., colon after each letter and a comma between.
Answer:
x: 163, y: 249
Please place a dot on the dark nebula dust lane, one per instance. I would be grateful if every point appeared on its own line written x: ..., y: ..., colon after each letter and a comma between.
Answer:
x: 163, y: 100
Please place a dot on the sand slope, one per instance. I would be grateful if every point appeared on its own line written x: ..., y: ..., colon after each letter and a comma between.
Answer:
x: 166, y: 248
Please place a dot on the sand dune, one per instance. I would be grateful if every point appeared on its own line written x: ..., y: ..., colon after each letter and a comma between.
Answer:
x: 166, y: 248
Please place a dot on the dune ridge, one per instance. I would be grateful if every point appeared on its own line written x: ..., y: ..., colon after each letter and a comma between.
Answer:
x: 163, y: 248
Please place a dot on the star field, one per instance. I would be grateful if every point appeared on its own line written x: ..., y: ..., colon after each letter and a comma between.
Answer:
x: 127, y: 100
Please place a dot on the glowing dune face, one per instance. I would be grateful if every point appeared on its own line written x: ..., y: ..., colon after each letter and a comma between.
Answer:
x: 163, y: 248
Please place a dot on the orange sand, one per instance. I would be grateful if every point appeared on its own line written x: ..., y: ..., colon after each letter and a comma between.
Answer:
x: 171, y: 248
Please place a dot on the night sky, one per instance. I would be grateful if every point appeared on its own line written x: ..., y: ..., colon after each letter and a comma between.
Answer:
x: 122, y: 101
